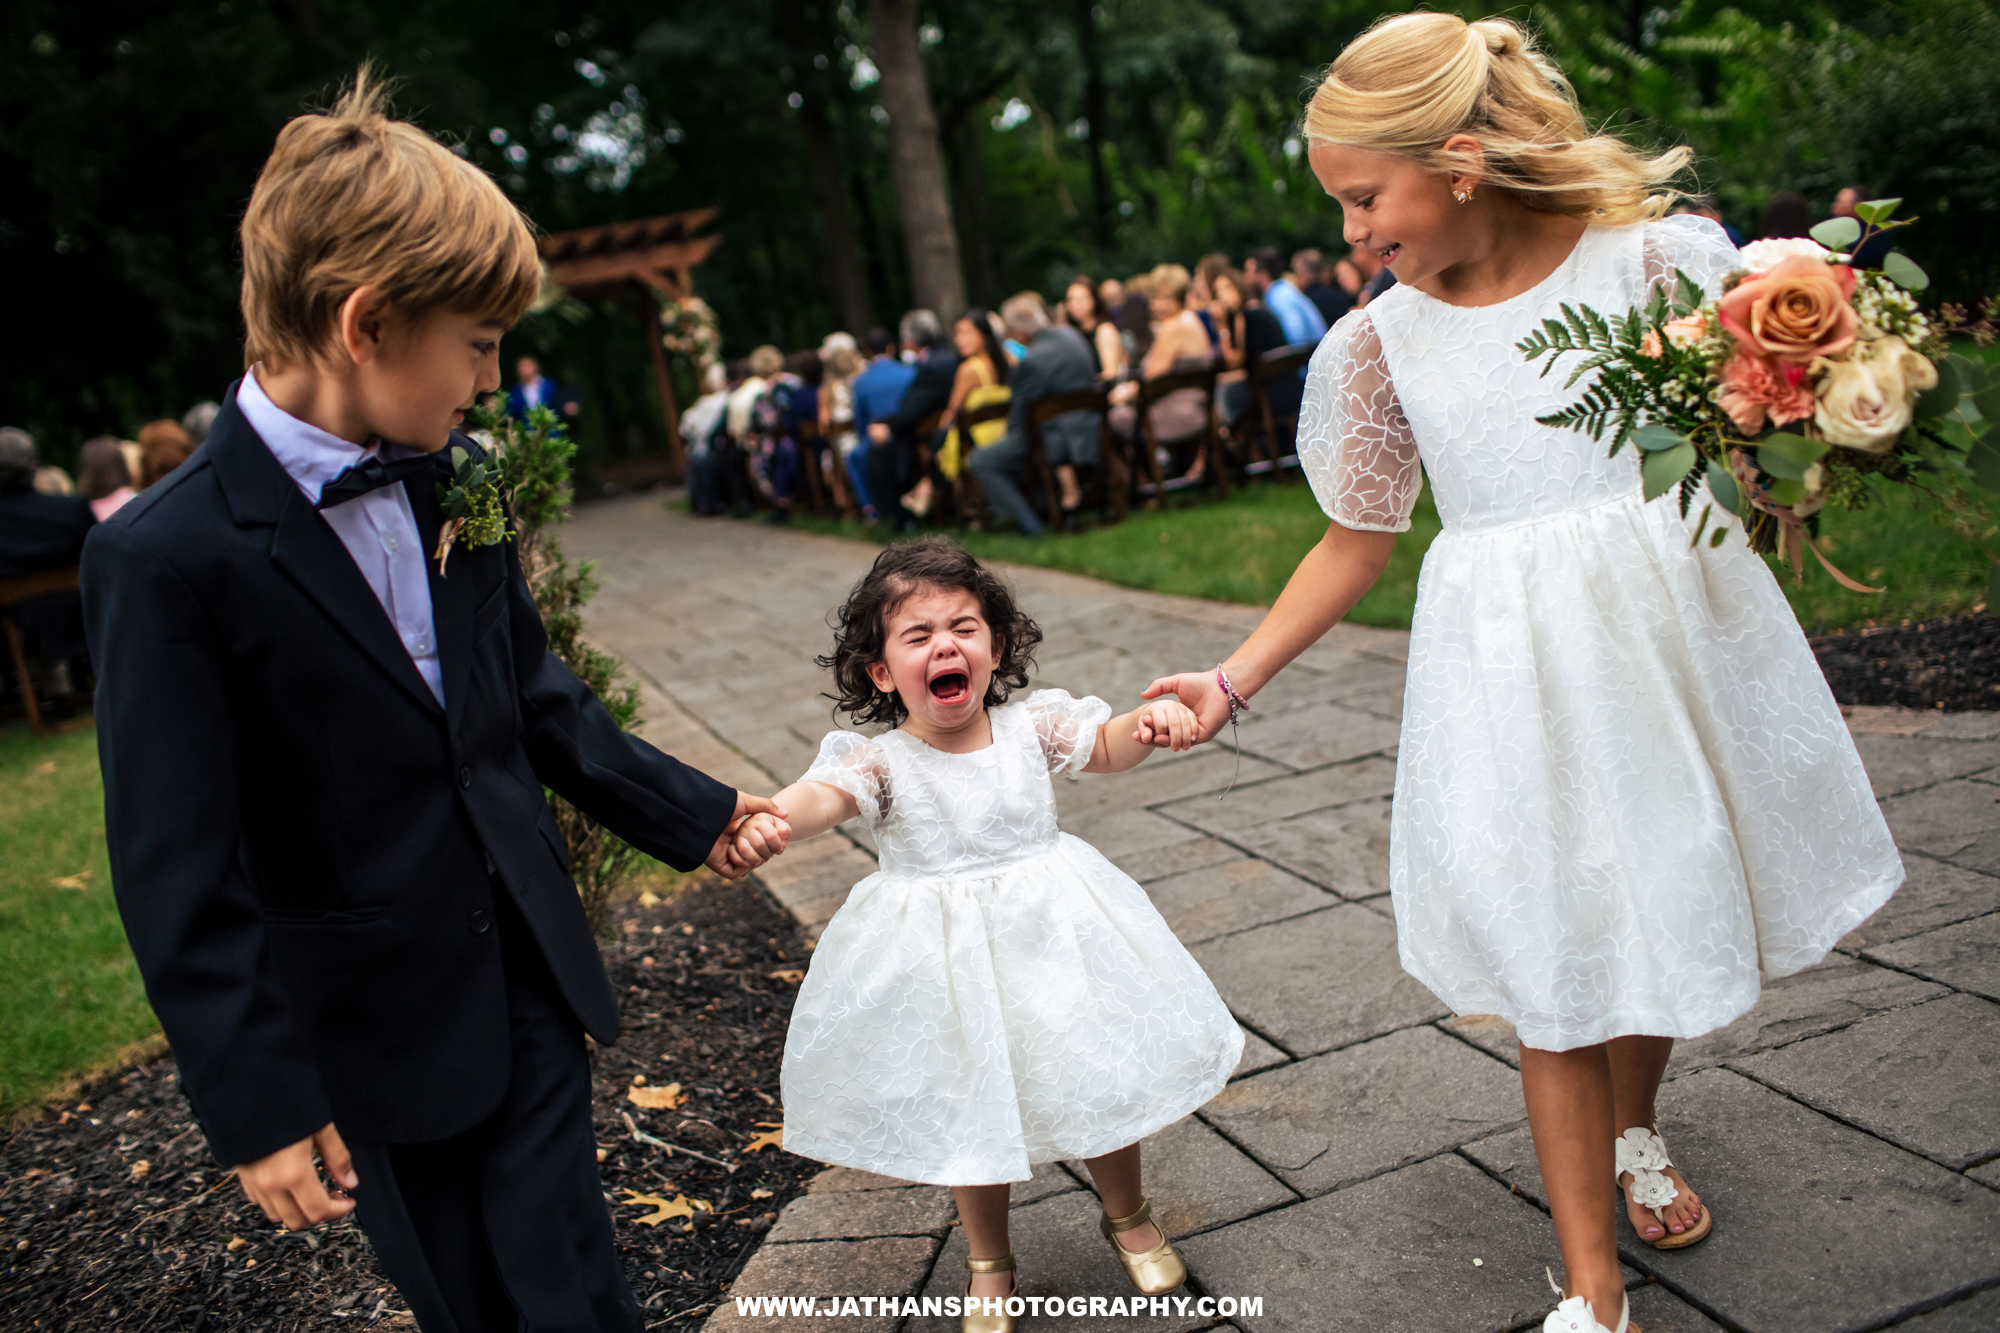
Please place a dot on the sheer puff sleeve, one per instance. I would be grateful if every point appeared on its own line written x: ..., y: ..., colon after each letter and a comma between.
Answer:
x: 855, y: 764
x: 1067, y: 727
x: 1695, y: 246
x: 1355, y: 445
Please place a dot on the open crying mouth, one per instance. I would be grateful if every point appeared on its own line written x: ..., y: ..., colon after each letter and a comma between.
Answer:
x: 951, y: 687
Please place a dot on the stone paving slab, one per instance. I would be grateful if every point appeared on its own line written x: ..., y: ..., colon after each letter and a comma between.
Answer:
x: 1921, y: 1077
x: 1935, y: 894
x: 876, y: 1268
x: 1391, y: 1255
x: 1956, y: 821
x: 1337, y: 1119
x: 1221, y: 900
x: 1966, y: 956
x: 1817, y: 1225
x: 1904, y: 763
x: 1319, y: 981
x: 916, y: 1210
x: 1657, y: 1310
x: 1989, y: 1174
x: 1318, y: 733
x: 1258, y: 1055
x: 1979, y: 1313
x: 1836, y: 993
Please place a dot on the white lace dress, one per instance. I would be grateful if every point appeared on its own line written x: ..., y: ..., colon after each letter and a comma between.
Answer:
x: 1623, y: 789
x: 998, y: 994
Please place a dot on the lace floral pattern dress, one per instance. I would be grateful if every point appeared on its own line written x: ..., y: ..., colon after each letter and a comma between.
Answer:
x: 998, y: 994
x: 1623, y: 789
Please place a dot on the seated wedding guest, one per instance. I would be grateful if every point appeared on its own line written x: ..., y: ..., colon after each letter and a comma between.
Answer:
x: 1704, y: 206
x: 894, y: 467
x: 1201, y: 294
x: 1058, y: 361
x: 699, y: 425
x: 1869, y: 253
x: 39, y: 533
x: 1786, y: 214
x: 163, y: 446
x: 198, y: 419
x: 103, y: 477
x: 1370, y: 266
x: 1228, y: 309
x: 1262, y: 333
x: 980, y: 381
x: 842, y: 361
x: 1347, y: 277
x: 878, y: 392
x: 52, y: 480
x: 1309, y: 275
x: 1084, y: 310
x: 1180, y: 343
x: 1135, y: 317
x: 1299, y: 317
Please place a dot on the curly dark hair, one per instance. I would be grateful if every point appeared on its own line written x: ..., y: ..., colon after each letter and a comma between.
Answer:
x: 861, y: 625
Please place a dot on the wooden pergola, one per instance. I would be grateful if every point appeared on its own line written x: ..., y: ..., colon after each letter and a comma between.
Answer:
x: 655, y: 256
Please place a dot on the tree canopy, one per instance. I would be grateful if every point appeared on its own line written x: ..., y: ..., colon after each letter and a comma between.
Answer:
x: 1076, y: 137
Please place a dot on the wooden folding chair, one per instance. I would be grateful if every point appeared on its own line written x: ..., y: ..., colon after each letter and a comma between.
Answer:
x: 1279, y: 434
x: 12, y: 593
x: 1111, y: 474
x: 1208, y: 443
x: 816, y: 485
x: 965, y: 492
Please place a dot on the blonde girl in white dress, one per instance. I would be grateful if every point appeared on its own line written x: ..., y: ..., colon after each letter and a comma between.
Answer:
x: 1623, y: 790
x: 998, y: 994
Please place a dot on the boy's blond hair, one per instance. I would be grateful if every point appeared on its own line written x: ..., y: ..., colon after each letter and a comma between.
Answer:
x: 350, y: 198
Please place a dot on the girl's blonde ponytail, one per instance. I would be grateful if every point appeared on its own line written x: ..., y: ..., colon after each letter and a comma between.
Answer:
x: 1414, y: 80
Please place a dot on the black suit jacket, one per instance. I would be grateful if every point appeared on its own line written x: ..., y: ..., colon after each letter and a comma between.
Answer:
x: 1059, y: 360
x: 300, y: 836
x: 41, y: 532
x: 929, y: 392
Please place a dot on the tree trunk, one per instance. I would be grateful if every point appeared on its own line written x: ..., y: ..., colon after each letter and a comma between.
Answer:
x: 936, y: 281
x: 1098, y: 113
x: 968, y: 193
x: 846, y: 290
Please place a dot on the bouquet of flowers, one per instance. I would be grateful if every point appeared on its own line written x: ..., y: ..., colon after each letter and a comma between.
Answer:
x: 1805, y: 381
x: 688, y: 329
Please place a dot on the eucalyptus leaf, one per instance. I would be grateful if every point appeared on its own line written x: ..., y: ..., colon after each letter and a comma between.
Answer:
x: 1775, y: 462
x: 1984, y: 460
x: 1971, y: 373
x: 1879, y: 211
x: 1837, y: 233
x: 458, y: 456
x: 1902, y: 270
x: 1722, y: 486
x: 1987, y: 400
x: 1936, y: 401
x: 1795, y: 449
x: 1663, y: 468
x: 1656, y: 437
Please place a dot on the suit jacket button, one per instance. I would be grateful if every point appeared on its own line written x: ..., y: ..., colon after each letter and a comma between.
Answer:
x: 464, y: 775
x: 480, y: 922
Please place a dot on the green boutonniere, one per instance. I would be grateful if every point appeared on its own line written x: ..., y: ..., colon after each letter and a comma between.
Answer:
x: 471, y: 507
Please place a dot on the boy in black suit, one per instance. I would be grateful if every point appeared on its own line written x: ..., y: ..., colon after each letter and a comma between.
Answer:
x: 324, y: 759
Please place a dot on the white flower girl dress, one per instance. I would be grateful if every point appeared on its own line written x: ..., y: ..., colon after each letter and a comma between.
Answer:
x: 1623, y: 789
x: 998, y: 994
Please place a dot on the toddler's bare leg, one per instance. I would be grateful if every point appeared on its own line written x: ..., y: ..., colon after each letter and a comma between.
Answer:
x: 982, y: 1211
x: 1637, y: 1064
x: 1569, y: 1112
x: 1116, y: 1175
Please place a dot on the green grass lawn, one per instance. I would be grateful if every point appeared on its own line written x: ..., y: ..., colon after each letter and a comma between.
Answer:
x: 70, y: 998
x: 1244, y: 548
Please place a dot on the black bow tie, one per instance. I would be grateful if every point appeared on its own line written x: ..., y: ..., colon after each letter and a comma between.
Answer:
x: 372, y: 474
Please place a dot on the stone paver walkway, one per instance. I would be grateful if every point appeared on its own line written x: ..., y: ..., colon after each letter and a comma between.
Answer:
x: 1370, y: 1167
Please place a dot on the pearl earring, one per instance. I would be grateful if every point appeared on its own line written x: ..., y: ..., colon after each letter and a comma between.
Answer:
x: 1463, y: 196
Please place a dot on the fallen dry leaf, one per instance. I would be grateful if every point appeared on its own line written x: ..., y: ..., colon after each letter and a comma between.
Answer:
x: 772, y: 1137
x: 650, y: 899
x: 788, y: 974
x: 760, y: 1194
x: 235, y: 1243
x: 663, y: 1098
x: 679, y: 1206
x: 141, y: 1169
x: 80, y: 880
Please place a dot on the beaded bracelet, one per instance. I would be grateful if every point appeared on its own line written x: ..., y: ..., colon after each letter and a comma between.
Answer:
x: 1237, y: 704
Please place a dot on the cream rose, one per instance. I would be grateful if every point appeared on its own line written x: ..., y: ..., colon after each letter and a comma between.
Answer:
x: 1865, y: 398
x: 1759, y: 256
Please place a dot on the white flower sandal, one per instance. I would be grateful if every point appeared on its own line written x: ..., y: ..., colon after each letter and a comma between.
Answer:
x: 1644, y: 1153
x: 1574, y: 1315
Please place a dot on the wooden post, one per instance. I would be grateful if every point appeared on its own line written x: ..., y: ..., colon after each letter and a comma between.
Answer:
x: 670, y: 414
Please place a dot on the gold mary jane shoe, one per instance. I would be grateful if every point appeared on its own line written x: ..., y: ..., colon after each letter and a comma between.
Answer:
x: 1154, y: 1272
x: 983, y: 1322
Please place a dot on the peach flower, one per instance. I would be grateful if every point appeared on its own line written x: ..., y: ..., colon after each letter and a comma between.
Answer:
x: 1688, y: 330
x: 1754, y: 388
x: 1797, y: 310
x: 1865, y: 400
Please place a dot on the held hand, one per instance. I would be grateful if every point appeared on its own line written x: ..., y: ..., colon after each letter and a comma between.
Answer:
x: 759, y: 838
x: 287, y: 1187
x: 721, y: 857
x: 1201, y: 695
x: 1170, y: 723
x: 878, y: 433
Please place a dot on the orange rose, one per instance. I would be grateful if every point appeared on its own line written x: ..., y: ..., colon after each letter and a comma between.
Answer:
x: 1794, y: 311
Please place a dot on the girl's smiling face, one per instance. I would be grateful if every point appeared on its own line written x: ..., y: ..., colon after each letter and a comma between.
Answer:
x: 1395, y: 208
x: 938, y: 656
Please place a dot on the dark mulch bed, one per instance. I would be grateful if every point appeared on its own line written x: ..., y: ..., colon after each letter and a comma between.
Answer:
x: 113, y: 1215
x: 1951, y: 663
